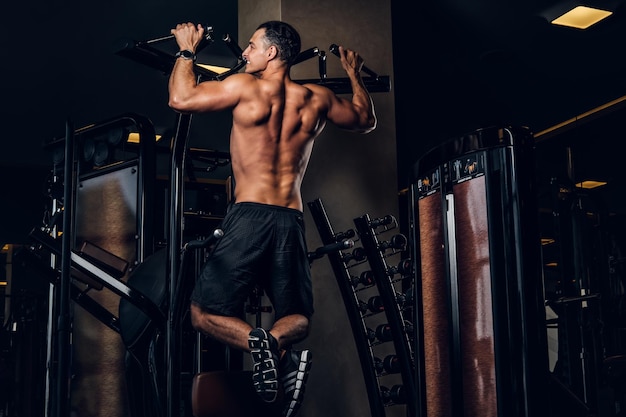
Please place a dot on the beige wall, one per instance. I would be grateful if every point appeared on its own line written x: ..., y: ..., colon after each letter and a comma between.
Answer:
x: 352, y: 175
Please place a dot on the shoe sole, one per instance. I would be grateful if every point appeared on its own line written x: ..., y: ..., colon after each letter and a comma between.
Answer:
x: 264, y: 372
x: 297, y: 379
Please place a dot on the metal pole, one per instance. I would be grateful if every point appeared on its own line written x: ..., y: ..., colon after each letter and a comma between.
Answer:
x: 172, y: 336
x: 64, y: 321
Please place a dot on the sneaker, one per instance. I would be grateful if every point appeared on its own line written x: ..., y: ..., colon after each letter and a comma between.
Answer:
x: 294, y: 369
x: 264, y: 350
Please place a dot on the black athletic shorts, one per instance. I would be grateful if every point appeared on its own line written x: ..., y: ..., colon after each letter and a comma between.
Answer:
x: 264, y: 245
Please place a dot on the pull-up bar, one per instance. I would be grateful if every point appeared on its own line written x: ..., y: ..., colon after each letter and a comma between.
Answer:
x: 146, y: 53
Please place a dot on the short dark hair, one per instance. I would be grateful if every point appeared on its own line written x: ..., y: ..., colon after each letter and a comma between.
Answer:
x: 284, y: 37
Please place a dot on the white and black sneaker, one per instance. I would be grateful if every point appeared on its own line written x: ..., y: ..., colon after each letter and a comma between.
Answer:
x: 264, y: 351
x: 294, y: 370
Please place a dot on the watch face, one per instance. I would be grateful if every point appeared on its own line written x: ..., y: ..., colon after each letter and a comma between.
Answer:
x: 186, y: 54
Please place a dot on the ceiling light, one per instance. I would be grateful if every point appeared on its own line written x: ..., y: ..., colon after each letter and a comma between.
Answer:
x: 581, y: 17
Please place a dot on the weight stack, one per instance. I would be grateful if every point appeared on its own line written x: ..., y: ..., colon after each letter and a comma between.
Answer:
x: 481, y: 335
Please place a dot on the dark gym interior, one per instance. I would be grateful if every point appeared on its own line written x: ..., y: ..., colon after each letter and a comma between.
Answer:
x: 513, y: 114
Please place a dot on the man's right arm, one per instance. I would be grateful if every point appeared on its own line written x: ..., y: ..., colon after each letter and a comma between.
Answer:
x: 186, y: 95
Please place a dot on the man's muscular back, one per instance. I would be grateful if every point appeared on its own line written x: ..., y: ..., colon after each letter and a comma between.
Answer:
x: 274, y: 125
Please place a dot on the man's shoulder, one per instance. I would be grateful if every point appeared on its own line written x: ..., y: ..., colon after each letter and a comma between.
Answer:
x: 242, y: 82
x: 241, y: 77
x: 317, y: 89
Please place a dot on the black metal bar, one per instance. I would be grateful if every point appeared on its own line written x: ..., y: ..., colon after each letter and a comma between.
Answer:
x: 306, y: 55
x: 175, y: 239
x: 87, y: 267
x: 155, y: 58
x: 321, y: 64
x: 146, y: 187
x: 335, y: 51
x: 232, y: 46
x: 418, y: 371
x: 208, y: 37
x: 62, y: 406
x: 359, y: 329
x: 381, y: 84
x: 80, y: 297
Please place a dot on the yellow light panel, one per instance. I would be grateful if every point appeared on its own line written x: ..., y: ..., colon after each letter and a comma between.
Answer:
x: 214, y: 68
x: 589, y: 184
x: 134, y: 137
x: 581, y: 17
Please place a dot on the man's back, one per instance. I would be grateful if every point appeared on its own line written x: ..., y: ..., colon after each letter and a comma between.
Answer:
x: 274, y: 125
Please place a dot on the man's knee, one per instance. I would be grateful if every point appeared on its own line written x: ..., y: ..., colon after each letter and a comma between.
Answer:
x: 306, y: 324
x: 298, y: 323
x: 196, y: 314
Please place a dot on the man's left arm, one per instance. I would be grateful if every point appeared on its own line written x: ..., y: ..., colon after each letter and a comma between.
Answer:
x: 358, y: 114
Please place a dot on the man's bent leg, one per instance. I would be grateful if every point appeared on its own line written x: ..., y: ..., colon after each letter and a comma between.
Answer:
x: 293, y: 366
x: 231, y: 331
x: 239, y: 334
x: 234, y: 331
x: 290, y: 329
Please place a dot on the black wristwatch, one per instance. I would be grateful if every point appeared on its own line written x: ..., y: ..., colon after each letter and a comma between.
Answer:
x: 186, y: 54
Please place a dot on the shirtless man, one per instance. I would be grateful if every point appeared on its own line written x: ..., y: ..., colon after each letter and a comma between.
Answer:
x: 275, y: 121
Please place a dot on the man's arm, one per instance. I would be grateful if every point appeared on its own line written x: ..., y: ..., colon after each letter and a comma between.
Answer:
x: 357, y: 115
x: 185, y: 94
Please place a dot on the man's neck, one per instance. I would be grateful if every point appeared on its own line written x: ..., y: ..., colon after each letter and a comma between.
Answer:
x: 273, y: 73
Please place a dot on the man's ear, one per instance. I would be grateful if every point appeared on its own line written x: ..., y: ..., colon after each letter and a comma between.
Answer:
x: 272, y: 52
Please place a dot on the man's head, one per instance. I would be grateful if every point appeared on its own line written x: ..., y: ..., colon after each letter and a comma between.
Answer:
x: 284, y: 37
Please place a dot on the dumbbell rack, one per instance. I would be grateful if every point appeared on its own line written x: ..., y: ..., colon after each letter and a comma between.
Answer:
x: 397, y: 328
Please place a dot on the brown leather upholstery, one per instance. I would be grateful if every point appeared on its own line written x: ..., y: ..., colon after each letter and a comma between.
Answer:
x: 229, y: 394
